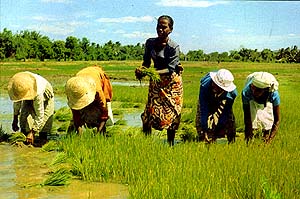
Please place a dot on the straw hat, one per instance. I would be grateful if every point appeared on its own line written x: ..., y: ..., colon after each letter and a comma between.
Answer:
x: 80, y: 92
x: 22, y: 86
x: 224, y: 79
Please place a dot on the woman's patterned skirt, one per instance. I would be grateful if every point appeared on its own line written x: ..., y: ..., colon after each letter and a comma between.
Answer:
x: 165, y: 99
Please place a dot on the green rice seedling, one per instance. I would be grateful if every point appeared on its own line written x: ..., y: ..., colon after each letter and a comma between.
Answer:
x: 187, y: 132
x: 61, y: 158
x: 268, y: 192
x: 63, y: 127
x: 113, y: 130
x: 137, y: 94
x: 63, y: 114
x: 188, y: 170
x: 130, y: 105
x: 59, y: 177
x: 142, y: 72
x: 121, y: 122
x: 17, y: 137
x: 152, y: 169
x: 52, y: 145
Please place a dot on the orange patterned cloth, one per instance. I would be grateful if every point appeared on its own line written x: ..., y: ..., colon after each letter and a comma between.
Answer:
x: 165, y: 99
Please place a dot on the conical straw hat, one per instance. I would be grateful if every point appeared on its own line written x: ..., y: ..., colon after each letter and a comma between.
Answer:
x: 22, y: 86
x: 80, y: 92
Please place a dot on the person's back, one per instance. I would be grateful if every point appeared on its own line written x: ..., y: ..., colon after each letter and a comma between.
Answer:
x: 33, y: 96
x: 215, y: 117
x: 89, y: 97
x: 103, y: 84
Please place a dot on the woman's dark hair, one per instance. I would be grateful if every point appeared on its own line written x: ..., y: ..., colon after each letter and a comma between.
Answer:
x: 171, y: 22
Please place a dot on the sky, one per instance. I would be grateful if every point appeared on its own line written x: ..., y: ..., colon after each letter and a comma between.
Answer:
x: 210, y: 26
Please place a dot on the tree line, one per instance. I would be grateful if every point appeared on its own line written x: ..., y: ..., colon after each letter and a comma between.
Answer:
x: 32, y: 45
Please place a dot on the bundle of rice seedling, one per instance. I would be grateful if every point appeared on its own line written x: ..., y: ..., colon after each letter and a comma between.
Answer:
x: 60, y: 159
x: 142, y: 72
x: 52, y: 145
x: 60, y: 177
x: 17, y: 137
x: 63, y: 114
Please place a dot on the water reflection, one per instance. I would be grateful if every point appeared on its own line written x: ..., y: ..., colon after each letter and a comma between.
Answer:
x: 7, y: 174
x: 6, y: 111
x: 132, y: 118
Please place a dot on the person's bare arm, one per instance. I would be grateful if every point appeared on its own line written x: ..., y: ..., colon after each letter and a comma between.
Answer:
x: 275, y: 126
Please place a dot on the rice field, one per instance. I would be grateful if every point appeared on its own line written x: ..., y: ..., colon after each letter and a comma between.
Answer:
x: 190, y: 169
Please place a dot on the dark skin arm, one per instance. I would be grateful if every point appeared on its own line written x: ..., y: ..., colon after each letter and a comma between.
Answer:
x: 247, y: 122
x: 104, y: 116
x: 77, y: 121
x: 276, y: 113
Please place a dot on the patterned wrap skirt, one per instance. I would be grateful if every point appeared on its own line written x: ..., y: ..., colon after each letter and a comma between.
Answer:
x: 165, y: 99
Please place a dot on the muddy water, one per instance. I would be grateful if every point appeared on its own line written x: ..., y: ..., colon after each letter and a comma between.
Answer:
x: 6, y: 112
x: 23, y: 170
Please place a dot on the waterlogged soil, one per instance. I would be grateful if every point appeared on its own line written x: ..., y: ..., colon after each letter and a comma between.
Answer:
x: 24, y: 169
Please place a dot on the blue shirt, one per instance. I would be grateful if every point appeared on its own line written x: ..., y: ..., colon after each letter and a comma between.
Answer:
x: 164, y: 58
x: 209, y: 103
x: 247, y: 96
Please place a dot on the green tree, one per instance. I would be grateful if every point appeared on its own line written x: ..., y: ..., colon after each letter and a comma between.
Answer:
x: 73, y: 49
x: 234, y: 55
x: 214, y: 56
x: 32, y: 38
x: 267, y: 55
x: 85, y: 45
x: 6, y: 44
x: 91, y: 52
x: 59, y: 50
x: 223, y: 57
x: 22, y: 48
x: 195, y: 55
x: 45, y: 48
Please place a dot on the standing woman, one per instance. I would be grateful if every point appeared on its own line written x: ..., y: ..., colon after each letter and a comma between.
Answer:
x: 261, y: 102
x: 163, y: 109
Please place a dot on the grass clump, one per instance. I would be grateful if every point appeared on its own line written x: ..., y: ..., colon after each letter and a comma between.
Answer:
x: 153, y: 169
x: 60, y: 177
x: 63, y: 114
x: 52, y: 145
x: 16, y: 137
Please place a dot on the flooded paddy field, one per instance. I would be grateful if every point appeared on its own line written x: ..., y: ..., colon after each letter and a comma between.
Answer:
x: 23, y: 169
